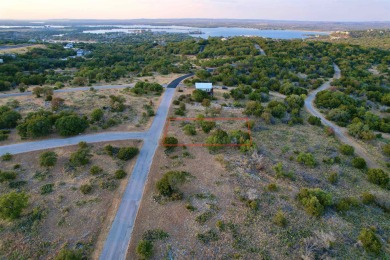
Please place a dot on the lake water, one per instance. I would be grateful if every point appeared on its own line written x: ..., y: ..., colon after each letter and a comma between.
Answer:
x: 211, y: 32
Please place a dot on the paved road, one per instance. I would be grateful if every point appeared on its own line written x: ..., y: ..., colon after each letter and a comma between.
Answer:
x: 340, y: 132
x: 61, y: 142
x: 118, y: 239
x: 67, y: 90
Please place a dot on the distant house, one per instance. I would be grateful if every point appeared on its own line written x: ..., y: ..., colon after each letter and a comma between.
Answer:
x: 68, y: 46
x: 81, y: 52
x: 208, y: 87
x: 1, y: 61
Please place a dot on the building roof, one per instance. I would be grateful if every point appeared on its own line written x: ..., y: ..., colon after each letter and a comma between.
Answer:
x: 204, y: 86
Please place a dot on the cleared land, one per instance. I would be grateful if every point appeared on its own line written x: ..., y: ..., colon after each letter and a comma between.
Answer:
x: 230, y: 203
x: 62, y: 216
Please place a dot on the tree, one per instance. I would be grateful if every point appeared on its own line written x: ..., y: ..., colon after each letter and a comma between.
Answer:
x: 80, y: 157
x: 8, y: 117
x: 359, y: 163
x: 168, y: 184
x: 97, y: 115
x: 127, y: 153
x: 346, y: 149
x: 68, y: 254
x: 216, y: 139
x: 56, y: 103
x: 313, y: 120
x: 189, y: 129
x: 120, y: 174
x: 12, y: 205
x: 35, y: 125
x: 314, y: 200
x: 378, y: 177
x: 47, y: 159
x: 170, y: 142
x: 370, y: 241
x: 71, y: 125
x: 198, y: 95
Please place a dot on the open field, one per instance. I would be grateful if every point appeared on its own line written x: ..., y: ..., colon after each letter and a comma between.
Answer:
x: 133, y: 118
x: 230, y: 202
x: 21, y: 50
x: 59, y: 214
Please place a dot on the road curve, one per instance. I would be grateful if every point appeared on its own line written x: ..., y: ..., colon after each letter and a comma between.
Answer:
x: 340, y: 132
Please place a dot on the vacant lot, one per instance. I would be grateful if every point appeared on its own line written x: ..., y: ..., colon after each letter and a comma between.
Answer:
x: 21, y: 50
x: 243, y: 206
x: 59, y: 214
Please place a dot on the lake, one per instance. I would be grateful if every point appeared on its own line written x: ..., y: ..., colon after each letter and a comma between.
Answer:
x: 210, y: 32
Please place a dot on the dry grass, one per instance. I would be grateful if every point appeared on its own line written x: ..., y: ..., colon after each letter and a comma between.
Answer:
x: 235, y: 180
x: 69, y: 217
x: 22, y: 50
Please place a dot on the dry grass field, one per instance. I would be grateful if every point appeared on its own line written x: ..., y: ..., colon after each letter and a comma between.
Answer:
x: 21, y: 50
x: 239, y: 206
x: 62, y: 216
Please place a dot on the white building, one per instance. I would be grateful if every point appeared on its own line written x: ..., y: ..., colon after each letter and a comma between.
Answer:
x: 81, y: 52
x: 68, y: 46
x: 208, y: 87
x: 1, y: 61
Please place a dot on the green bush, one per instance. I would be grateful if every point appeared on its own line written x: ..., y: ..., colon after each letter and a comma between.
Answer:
x: 47, y: 188
x: 368, y: 198
x: 204, y: 217
x: 347, y: 149
x: 208, y: 236
x: 144, y: 249
x: 6, y: 157
x: 314, y: 200
x: 313, y: 120
x: 154, y: 235
x: 279, y: 219
x: 198, y: 95
x: 218, y: 137
x: 71, y: 125
x: 370, y: 241
x: 80, y: 157
x: 127, y: 153
x: 47, y: 159
x: 306, y: 159
x: 69, y: 254
x: 95, y: 170
x: 97, y: 115
x: 346, y: 204
x: 86, y: 189
x: 189, y: 129
x: 12, y: 205
x: 170, y: 142
x: 378, y: 177
x: 359, y: 163
x: 386, y: 149
x: 207, y: 126
x: 120, y: 174
x: 7, y: 176
x: 168, y: 184
x: 272, y: 187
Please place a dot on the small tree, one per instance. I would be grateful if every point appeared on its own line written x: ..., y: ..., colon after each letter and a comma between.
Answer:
x: 12, y: 205
x: 48, y: 159
x: 97, y: 115
x: 347, y: 149
x: 71, y: 125
x: 313, y: 120
x: 170, y: 142
x: 306, y: 159
x: 68, y: 254
x: 80, y: 157
x: 120, y: 174
x: 168, y: 184
x: 127, y: 153
x: 280, y: 219
x: 189, y: 129
x: 144, y: 249
x: 359, y: 163
x: 378, y: 177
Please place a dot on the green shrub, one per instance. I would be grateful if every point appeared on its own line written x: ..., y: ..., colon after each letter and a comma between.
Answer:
x: 16, y: 184
x: 204, y: 217
x: 370, y: 241
x: 314, y: 200
x: 207, y: 126
x: 189, y: 129
x: 97, y: 115
x: 168, y: 184
x: 3, y: 137
x: 120, y: 174
x: 47, y: 159
x: 7, y: 176
x: 127, y: 153
x: 80, y: 157
x: 313, y: 120
x: 333, y: 178
x: 144, y: 249
x: 6, y: 157
x: 47, y: 188
x: 154, y: 235
x: 378, y: 177
x: 208, y: 236
x: 71, y: 125
x: 69, y: 254
x: 346, y: 204
x: 368, y: 198
x: 386, y: 149
x: 279, y: 219
x: 86, y: 189
x: 198, y: 95
x: 170, y: 142
x: 346, y: 149
x: 12, y: 205
x: 306, y: 159
x: 359, y: 163
x: 218, y: 137
x: 280, y: 173
x: 95, y: 170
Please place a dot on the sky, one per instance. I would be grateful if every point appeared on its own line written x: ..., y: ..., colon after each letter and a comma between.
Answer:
x: 301, y: 10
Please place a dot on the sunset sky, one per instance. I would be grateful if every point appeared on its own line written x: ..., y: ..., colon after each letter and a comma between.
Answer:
x: 313, y: 10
